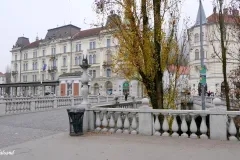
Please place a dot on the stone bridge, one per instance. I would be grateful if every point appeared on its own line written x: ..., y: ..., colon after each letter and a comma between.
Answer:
x: 44, y: 135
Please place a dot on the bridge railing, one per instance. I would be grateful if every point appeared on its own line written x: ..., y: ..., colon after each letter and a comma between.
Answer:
x: 27, y: 104
x: 209, y: 124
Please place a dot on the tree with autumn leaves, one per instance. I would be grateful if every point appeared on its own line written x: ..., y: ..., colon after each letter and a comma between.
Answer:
x: 146, y: 34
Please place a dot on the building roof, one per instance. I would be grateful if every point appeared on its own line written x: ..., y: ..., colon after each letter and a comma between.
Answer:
x: 88, y: 33
x: 74, y: 74
x: 201, y: 12
x: 2, y: 74
x: 228, y: 18
x: 21, y: 42
x: 32, y: 45
x: 62, y: 32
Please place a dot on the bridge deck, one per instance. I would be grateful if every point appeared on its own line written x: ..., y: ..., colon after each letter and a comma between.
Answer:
x: 44, y: 135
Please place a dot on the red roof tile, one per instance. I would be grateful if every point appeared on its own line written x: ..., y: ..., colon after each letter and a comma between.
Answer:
x: 183, y: 70
x: 32, y: 45
x: 227, y: 18
x: 87, y: 33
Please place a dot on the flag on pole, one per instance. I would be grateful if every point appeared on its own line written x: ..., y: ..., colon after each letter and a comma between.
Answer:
x: 44, y: 67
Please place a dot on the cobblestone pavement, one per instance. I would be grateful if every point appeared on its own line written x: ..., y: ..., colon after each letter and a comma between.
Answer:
x: 15, y: 129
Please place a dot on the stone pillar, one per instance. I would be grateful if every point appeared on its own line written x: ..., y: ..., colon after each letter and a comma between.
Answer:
x: 55, y: 102
x: 218, y: 119
x: 145, y: 118
x: 29, y: 91
x: 43, y: 90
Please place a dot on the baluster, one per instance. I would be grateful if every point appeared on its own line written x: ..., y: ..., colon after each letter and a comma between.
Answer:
x: 111, y: 123
x: 165, y: 125
x: 157, y: 126
x: 203, y: 126
x: 193, y: 127
x: 98, y: 121
x: 175, y: 126
x: 126, y: 123
x: 184, y: 127
x: 104, y: 122
x: 134, y: 124
x: 119, y: 123
x: 232, y: 129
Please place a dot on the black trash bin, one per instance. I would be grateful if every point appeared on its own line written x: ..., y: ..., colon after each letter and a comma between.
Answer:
x: 76, y: 121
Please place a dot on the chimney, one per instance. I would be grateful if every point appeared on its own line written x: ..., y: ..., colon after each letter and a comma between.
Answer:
x: 235, y: 12
x: 225, y: 11
x: 37, y: 38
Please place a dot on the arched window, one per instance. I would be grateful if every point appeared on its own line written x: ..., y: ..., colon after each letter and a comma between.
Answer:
x: 196, y: 54
x: 109, y: 87
x: 64, y: 61
x: 90, y: 59
x: 96, y: 89
x: 76, y: 60
x: 196, y: 38
x: 94, y: 59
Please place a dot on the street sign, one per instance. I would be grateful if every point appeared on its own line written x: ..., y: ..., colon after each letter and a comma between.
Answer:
x: 203, y: 75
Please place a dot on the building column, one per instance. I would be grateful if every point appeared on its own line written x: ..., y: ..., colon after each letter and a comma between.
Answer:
x: 43, y: 90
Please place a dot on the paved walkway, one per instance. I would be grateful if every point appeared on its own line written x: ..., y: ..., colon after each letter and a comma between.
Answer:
x: 119, y: 147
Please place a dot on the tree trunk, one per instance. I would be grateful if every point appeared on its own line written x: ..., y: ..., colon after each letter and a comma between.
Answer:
x: 224, y: 52
x: 157, y: 54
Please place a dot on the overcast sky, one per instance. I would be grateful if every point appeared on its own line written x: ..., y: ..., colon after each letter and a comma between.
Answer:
x: 32, y: 17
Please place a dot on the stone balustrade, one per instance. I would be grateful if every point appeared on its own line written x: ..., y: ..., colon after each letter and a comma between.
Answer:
x: 27, y: 104
x: 216, y: 123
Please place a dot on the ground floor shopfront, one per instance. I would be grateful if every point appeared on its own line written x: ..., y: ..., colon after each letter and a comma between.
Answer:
x: 29, y: 88
x: 100, y: 86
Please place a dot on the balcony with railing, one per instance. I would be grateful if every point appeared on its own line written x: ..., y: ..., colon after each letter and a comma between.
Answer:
x: 53, y: 57
x: 14, y: 73
x: 52, y: 69
x: 107, y: 64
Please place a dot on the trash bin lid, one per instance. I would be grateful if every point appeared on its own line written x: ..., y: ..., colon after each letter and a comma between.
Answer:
x: 74, y: 110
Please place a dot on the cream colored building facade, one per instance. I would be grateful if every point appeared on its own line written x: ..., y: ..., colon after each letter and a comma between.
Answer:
x: 61, y: 52
x: 211, y: 46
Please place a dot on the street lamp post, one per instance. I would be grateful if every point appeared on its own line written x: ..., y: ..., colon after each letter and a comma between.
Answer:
x: 203, y: 68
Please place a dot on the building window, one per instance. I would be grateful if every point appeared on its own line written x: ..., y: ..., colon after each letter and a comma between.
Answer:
x: 76, y: 60
x: 26, y: 67
x: 43, y: 52
x: 78, y: 47
x: 94, y: 59
x: 64, y: 61
x: 15, y: 57
x: 35, y: 54
x: 33, y: 78
x: 109, y: 57
x: 90, y: 59
x: 53, y: 76
x: 36, y: 66
x: 64, y: 49
x: 53, y: 51
x: 196, y: 54
x: 94, y: 74
x: 108, y: 43
x: 92, y: 45
x: 15, y: 66
x: 80, y: 60
x: 54, y: 63
x: 33, y: 66
x: 196, y: 38
x: 90, y: 72
x: 108, y: 72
